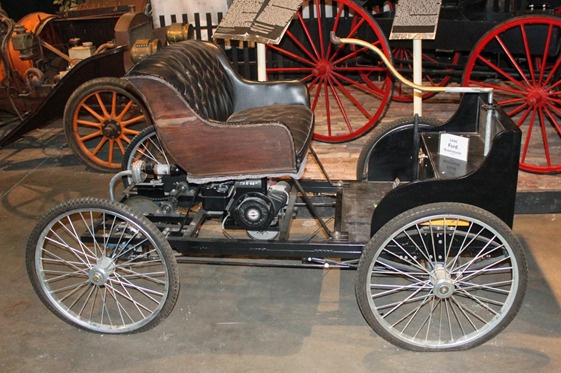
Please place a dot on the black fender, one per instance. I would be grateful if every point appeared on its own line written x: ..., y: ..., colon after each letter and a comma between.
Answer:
x: 107, y: 64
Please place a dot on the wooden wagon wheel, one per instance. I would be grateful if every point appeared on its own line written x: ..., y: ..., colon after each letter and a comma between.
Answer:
x: 100, y: 120
x: 519, y: 58
x: 345, y: 106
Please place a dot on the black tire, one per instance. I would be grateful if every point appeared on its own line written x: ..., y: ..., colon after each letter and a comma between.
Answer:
x: 381, y: 131
x: 465, y: 297
x: 100, y: 120
x: 144, y: 146
x: 102, y: 267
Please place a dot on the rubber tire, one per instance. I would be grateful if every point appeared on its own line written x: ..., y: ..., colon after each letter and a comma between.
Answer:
x: 387, y: 233
x: 425, y: 123
x: 73, y: 106
x: 36, y: 245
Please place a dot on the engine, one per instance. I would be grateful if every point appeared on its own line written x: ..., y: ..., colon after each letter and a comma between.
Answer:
x: 253, y: 205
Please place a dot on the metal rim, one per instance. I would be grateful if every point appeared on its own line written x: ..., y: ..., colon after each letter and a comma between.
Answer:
x: 455, y: 300
x: 345, y: 106
x: 101, y: 270
x: 519, y: 59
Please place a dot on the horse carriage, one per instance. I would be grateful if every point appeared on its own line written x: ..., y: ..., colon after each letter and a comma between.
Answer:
x: 513, y: 49
x: 511, y: 46
x: 218, y: 178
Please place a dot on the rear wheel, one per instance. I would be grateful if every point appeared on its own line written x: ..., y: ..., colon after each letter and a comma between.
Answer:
x: 444, y: 276
x: 100, y: 120
x: 146, y: 147
x: 100, y: 266
x: 345, y: 103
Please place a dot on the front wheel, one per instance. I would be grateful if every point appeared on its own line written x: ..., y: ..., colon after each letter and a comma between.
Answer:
x: 444, y: 276
x: 100, y: 266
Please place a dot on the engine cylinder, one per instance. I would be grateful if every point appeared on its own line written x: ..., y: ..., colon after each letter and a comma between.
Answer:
x: 34, y: 23
x: 256, y: 211
x: 253, y: 211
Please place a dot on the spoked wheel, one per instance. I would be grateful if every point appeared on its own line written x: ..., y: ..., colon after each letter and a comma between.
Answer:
x: 145, y: 146
x: 520, y: 60
x: 435, y: 65
x: 345, y: 105
x: 443, y: 276
x: 100, y: 266
x: 100, y: 120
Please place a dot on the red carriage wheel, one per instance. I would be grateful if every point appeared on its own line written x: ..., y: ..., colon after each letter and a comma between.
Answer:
x: 439, y: 60
x: 520, y: 60
x: 345, y: 106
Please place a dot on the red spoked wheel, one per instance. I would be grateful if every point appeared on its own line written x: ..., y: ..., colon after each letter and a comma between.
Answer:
x: 346, y: 106
x: 520, y: 60
x: 435, y: 65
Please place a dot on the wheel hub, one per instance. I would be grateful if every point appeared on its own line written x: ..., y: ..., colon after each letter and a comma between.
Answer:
x: 323, y: 68
x: 442, y: 282
x: 111, y: 129
x: 100, y: 273
x: 537, y: 97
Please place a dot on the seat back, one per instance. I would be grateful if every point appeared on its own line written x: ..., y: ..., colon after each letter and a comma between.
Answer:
x: 193, y: 69
x: 191, y: 91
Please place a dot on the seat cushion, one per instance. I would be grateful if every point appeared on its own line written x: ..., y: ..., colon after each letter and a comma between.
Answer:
x: 299, y: 120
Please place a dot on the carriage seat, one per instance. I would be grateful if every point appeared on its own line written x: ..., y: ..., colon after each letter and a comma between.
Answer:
x: 217, y: 125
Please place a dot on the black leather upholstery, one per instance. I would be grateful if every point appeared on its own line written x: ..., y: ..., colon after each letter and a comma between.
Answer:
x: 202, y: 76
x: 295, y: 117
x: 193, y: 69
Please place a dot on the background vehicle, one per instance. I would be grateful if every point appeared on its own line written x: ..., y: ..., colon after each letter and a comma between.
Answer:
x: 46, y: 60
x: 514, y: 49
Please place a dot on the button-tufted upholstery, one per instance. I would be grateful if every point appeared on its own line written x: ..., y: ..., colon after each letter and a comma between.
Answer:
x: 217, y: 125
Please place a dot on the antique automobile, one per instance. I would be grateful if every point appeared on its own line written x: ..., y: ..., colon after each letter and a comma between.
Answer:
x: 218, y: 179
x: 68, y: 65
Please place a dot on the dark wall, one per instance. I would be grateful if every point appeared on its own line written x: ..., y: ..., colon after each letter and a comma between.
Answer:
x: 16, y: 9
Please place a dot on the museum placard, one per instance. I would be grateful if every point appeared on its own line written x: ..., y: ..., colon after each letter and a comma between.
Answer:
x: 262, y: 21
x: 416, y: 19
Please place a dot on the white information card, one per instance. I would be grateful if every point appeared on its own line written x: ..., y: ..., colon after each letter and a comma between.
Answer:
x: 454, y: 146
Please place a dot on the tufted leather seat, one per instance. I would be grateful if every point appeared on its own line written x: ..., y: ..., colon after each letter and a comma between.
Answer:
x: 217, y: 125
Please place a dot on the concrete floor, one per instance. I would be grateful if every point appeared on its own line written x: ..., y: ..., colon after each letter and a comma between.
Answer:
x: 240, y: 319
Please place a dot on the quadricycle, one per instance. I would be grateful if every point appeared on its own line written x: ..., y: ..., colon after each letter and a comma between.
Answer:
x: 218, y: 178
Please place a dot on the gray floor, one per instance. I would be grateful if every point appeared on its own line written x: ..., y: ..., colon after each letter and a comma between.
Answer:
x: 239, y: 319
